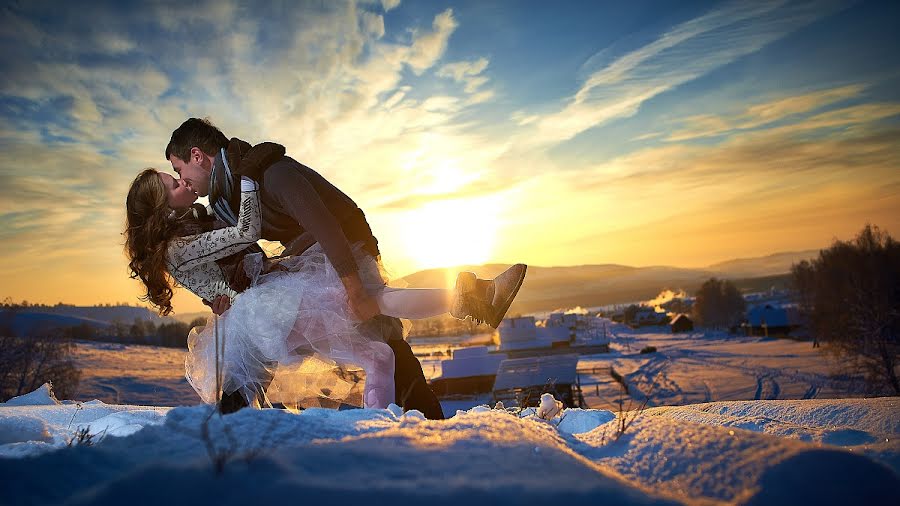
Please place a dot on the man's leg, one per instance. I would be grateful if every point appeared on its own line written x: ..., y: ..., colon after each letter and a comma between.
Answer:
x: 232, y: 402
x: 236, y: 399
x: 412, y: 391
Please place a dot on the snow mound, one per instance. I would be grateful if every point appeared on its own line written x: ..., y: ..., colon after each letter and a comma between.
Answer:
x: 43, y: 396
x: 31, y: 425
x: 359, y: 455
x: 791, y: 480
x: 852, y: 422
x: 672, y: 455
x: 23, y: 428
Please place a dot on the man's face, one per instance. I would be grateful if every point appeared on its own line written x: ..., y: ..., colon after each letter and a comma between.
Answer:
x: 194, y: 172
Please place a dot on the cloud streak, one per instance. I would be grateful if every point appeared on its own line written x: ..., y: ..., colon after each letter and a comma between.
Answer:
x: 757, y: 115
x: 684, y: 53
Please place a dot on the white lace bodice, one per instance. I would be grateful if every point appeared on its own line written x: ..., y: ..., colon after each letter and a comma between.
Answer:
x: 192, y: 259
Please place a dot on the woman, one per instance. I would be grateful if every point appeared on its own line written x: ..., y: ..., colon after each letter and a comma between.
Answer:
x: 294, y: 316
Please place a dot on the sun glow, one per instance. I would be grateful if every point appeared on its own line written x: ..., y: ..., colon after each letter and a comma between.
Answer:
x: 452, y: 232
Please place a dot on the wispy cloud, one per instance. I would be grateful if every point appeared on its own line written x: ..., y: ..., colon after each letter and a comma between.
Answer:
x: 765, y: 113
x: 684, y: 53
x: 471, y: 75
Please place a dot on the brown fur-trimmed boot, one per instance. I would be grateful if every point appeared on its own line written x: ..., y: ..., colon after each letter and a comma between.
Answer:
x: 486, y: 301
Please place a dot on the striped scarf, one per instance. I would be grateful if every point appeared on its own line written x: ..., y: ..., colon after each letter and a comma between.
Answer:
x: 238, y: 159
x: 224, y: 195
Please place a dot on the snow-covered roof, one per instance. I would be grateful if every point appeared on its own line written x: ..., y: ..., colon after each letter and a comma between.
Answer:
x: 773, y: 316
x: 681, y: 316
x: 536, y: 371
x: 520, y: 321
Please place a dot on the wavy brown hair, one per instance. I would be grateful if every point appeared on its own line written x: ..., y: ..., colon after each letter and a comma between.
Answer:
x: 148, y: 231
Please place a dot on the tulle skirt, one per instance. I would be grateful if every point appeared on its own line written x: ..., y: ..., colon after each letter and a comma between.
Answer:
x: 291, y: 337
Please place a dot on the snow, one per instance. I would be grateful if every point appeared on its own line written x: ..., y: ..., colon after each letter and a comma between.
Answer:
x: 731, y: 419
x: 37, y: 422
x: 839, y: 451
x: 549, y: 408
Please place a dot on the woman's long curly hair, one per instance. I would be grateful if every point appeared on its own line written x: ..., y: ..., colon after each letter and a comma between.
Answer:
x: 148, y: 231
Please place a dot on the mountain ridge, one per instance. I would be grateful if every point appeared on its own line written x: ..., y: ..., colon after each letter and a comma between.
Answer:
x: 544, y: 289
x: 591, y: 285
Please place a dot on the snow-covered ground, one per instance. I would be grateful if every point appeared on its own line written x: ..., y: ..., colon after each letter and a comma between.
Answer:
x: 747, y: 452
x: 713, y: 433
x: 706, y: 366
x: 687, y: 368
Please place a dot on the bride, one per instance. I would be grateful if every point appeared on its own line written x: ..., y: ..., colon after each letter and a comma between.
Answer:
x: 291, y: 314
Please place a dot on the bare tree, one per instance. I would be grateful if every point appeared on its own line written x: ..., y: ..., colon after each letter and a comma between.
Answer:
x: 718, y: 304
x: 28, y: 362
x: 851, y: 296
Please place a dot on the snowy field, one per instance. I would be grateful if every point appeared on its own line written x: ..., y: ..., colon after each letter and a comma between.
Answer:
x: 747, y: 452
x: 698, y: 367
x: 686, y: 369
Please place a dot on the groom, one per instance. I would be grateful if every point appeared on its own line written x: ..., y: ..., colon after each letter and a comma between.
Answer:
x: 299, y: 208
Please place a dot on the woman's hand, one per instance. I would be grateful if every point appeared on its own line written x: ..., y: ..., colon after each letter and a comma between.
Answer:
x: 221, y: 304
x: 363, y: 305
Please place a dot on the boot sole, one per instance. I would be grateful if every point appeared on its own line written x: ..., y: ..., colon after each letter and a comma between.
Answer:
x: 501, y: 311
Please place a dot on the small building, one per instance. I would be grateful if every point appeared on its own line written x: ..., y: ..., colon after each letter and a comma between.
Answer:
x: 681, y: 323
x: 649, y: 316
x: 567, y: 320
x: 470, y: 371
x: 524, y: 380
x: 769, y: 320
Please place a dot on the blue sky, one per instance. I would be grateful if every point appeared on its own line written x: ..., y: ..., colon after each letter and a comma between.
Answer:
x: 640, y: 133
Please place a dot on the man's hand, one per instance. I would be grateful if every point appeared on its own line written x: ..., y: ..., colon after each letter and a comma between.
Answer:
x: 221, y: 304
x: 361, y: 303
x: 365, y: 306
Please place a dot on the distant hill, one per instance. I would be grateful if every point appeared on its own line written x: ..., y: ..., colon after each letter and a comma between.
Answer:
x: 33, y: 323
x: 35, y: 319
x: 549, y: 288
x: 778, y: 263
x: 545, y: 288
x: 109, y: 314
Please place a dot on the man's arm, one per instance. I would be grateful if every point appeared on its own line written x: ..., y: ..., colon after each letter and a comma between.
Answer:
x: 299, y: 199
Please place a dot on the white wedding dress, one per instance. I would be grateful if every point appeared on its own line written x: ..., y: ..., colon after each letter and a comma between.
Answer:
x: 292, y: 331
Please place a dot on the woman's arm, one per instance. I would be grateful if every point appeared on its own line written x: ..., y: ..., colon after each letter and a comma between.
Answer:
x: 189, y: 251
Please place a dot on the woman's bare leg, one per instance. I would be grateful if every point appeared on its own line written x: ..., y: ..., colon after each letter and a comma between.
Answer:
x: 414, y: 303
x: 378, y: 362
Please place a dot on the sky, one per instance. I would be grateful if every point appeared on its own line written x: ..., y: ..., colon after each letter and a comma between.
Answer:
x: 550, y: 133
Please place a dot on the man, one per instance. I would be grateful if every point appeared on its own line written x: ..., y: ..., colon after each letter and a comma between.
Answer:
x: 299, y: 208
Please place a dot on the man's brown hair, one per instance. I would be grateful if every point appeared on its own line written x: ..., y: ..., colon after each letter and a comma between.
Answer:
x: 195, y: 132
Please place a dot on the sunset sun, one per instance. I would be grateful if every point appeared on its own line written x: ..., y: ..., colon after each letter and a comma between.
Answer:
x: 452, y: 232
